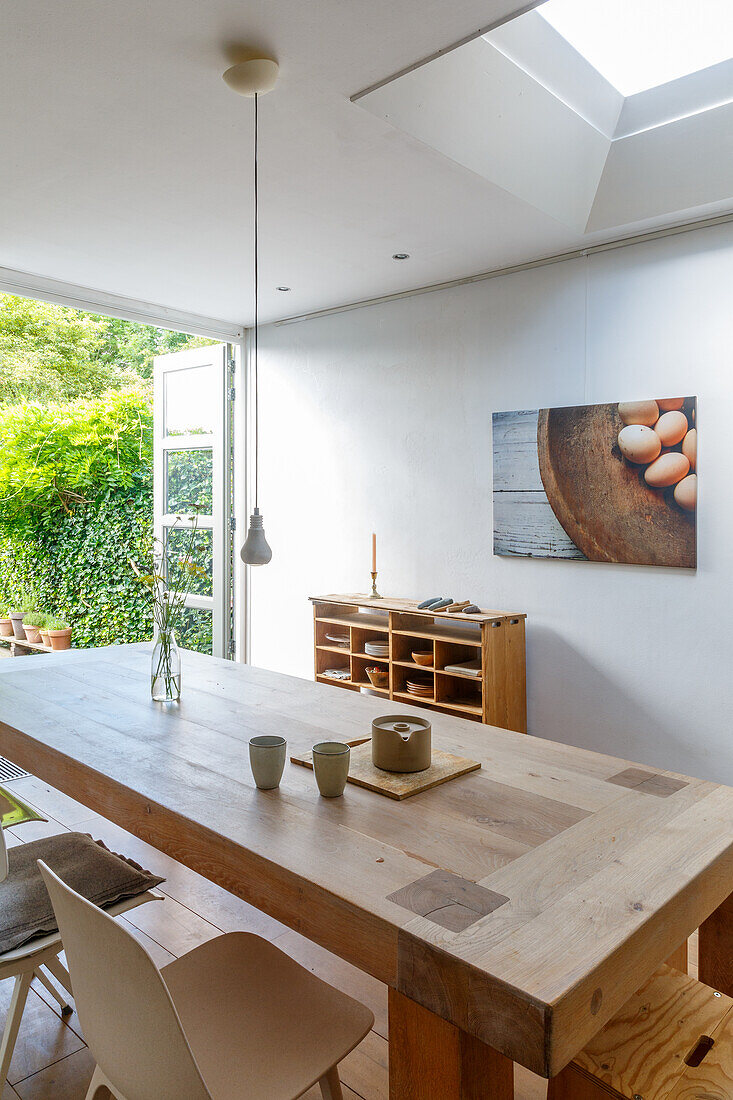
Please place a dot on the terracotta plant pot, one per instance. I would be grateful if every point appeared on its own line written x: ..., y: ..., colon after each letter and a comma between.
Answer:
x: 60, y: 639
x: 32, y: 633
x: 45, y: 640
x: 16, y: 618
x: 6, y: 628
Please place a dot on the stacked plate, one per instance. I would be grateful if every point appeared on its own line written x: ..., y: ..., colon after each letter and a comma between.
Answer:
x: 421, y: 688
x: 340, y: 640
x: 377, y: 649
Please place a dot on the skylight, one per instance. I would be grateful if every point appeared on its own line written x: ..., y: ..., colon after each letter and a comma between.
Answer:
x: 639, y: 44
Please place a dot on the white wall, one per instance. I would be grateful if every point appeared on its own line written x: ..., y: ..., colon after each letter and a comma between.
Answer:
x: 380, y: 419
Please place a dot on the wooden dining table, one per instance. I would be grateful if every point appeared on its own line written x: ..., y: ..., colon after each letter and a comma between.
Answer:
x: 511, y: 911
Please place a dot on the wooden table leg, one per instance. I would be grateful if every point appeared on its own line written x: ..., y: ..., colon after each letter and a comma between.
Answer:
x: 430, y: 1058
x: 678, y: 959
x: 571, y: 1084
x: 715, y: 962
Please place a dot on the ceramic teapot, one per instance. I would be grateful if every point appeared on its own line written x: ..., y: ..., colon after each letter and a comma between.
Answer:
x: 401, y: 743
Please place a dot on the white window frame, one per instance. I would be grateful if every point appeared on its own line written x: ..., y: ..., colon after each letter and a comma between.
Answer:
x: 217, y: 522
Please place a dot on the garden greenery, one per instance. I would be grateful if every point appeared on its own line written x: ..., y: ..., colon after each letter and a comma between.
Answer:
x: 57, y: 456
x: 76, y: 508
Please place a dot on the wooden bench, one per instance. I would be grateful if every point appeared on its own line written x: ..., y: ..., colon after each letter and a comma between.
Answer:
x: 19, y: 647
x: 673, y: 1040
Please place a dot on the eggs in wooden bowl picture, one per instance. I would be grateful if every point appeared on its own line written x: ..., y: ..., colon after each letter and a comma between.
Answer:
x: 615, y: 482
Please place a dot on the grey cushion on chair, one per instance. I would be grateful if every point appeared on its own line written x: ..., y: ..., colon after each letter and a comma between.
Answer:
x: 86, y: 865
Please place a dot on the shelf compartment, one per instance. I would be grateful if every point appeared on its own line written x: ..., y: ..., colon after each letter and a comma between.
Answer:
x: 414, y: 700
x: 402, y: 672
x: 361, y: 635
x: 459, y: 707
x: 327, y: 658
x: 461, y: 676
x: 444, y: 634
x: 459, y: 693
x: 322, y: 609
x: 410, y: 665
x: 323, y: 629
x: 379, y: 623
x: 361, y: 662
x: 338, y: 683
x: 403, y: 646
x: 370, y: 687
x: 451, y: 653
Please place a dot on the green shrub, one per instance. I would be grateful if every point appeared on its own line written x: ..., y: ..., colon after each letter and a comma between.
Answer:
x: 54, y: 622
x: 82, y: 568
x: 35, y: 618
x: 59, y: 457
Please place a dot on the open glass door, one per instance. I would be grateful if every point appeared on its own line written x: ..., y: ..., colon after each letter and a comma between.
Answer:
x: 192, y: 473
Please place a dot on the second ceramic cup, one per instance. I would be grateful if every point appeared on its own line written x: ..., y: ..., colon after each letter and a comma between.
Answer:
x: 331, y: 764
x: 267, y: 759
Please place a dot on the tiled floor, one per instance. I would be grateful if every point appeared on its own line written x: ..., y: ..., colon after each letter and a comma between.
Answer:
x: 51, y: 1060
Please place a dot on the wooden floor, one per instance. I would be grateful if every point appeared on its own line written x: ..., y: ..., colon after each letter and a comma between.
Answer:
x: 51, y: 1060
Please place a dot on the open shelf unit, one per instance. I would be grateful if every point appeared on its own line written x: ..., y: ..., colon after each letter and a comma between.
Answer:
x: 495, y: 639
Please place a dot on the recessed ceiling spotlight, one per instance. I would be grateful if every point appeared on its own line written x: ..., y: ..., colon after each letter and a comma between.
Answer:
x: 283, y: 288
x: 401, y: 256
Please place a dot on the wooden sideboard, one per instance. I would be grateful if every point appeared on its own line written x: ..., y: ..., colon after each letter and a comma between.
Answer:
x: 497, y: 697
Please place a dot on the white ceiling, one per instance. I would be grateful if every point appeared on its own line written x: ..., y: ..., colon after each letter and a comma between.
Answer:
x: 520, y: 107
x: 125, y: 162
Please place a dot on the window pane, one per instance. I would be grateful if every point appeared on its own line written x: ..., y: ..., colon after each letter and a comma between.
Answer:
x: 189, y: 481
x: 195, y: 630
x: 191, y: 400
x: 191, y: 561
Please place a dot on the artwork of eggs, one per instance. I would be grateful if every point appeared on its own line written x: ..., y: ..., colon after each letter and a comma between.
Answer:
x: 614, y: 482
x: 639, y: 412
x: 667, y: 470
x: 672, y: 427
x: 685, y: 493
x: 666, y: 446
x: 639, y: 444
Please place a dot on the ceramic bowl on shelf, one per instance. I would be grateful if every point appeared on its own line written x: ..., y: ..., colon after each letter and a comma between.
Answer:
x: 340, y: 640
x: 379, y: 677
x: 423, y: 656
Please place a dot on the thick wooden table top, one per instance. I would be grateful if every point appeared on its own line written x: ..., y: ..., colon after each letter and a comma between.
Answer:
x: 524, y: 902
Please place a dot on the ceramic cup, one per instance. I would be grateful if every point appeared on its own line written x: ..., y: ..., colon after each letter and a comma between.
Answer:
x: 331, y: 765
x: 267, y: 758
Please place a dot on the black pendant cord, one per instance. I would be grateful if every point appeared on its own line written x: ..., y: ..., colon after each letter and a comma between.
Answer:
x: 256, y: 332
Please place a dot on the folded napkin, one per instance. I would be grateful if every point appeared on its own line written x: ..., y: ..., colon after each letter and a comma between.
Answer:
x: 85, y: 865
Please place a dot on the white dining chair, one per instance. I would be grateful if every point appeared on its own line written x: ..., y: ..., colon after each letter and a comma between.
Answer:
x: 36, y: 960
x: 234, y: 1019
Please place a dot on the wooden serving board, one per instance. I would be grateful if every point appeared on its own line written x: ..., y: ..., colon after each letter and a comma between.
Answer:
x: 602, y: 501
x: 397, y: 785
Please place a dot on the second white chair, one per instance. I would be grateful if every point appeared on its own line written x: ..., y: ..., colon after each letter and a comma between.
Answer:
x: 32, y: 960
x: 234, y: 1019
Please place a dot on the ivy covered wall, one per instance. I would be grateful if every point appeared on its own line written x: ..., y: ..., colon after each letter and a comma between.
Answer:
x: 76, y: 489
x: 82, y: 569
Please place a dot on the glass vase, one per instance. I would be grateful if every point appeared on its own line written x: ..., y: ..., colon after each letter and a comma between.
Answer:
x: 165, y: 669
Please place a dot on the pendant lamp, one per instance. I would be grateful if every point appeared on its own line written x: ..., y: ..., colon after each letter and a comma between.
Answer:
x: 253, y: 78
